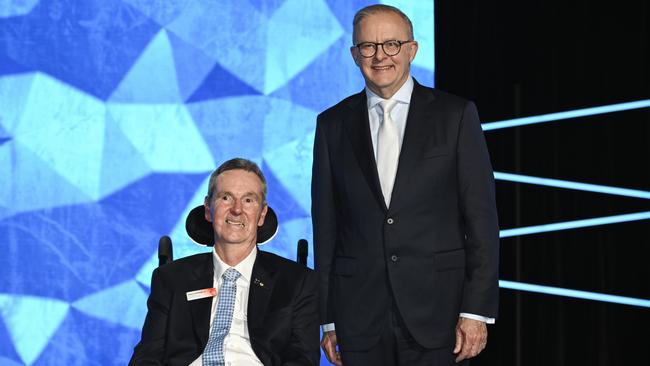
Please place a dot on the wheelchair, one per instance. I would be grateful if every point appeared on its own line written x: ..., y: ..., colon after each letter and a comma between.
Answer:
x: 201, y: 232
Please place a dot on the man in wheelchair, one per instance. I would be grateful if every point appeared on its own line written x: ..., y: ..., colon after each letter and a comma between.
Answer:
x: 236, y: 305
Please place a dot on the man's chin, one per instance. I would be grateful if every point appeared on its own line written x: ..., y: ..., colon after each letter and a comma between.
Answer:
x: 382, y: 80
x: 237, y: 239
x: 383, y: 84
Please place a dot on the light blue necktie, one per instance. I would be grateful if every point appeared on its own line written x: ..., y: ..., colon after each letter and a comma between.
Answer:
x: 213, y: 353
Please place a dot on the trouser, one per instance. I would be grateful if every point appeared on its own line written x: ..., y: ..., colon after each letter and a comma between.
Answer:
x: 396, y: 346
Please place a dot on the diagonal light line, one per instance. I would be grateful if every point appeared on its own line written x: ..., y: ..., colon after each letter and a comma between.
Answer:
x: 574, y: 224
x: 521, y: 286
x: 571, y: 185
x: 566, y: 114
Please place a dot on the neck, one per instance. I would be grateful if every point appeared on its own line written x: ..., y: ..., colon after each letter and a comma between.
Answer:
x: 385, y: 94
x: 233, y: 254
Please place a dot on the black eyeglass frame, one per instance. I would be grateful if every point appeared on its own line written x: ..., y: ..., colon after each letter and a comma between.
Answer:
x: 376, y: 47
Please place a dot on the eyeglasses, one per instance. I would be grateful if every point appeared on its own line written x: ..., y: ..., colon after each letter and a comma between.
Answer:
x: 390, y: 48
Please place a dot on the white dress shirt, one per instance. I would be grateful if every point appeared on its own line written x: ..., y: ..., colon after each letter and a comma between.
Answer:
x: 237, y: 346
x: 398, y: 114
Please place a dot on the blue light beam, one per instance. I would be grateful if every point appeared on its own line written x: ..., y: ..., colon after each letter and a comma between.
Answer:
x: 566, y: 115
x: 571, y: 185
x: 596, y: 296
x: 574, y: 224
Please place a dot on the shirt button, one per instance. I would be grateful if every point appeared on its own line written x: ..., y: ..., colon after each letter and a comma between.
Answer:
x: 394, y: 258
x: 390, y: 221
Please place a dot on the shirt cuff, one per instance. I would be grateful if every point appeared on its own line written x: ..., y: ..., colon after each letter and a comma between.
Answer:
x: 327, y: 327
x: 478, y: 317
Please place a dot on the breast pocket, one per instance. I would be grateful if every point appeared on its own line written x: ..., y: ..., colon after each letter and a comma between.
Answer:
x: 435, y: 152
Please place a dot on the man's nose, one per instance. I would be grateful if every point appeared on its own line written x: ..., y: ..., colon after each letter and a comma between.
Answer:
x: 236, y: 206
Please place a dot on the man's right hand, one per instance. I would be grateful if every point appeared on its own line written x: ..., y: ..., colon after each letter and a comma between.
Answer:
x: 328, y: 344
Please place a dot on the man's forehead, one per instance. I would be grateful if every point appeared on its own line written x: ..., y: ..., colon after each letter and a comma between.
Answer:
x: 383, y: 21
x: 240, y: 173
x: 239, y: 180
x: 384, y: 17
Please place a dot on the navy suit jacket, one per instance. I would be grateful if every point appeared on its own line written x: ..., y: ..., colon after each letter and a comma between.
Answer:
x: 282, y: 314
x: 434, y: 252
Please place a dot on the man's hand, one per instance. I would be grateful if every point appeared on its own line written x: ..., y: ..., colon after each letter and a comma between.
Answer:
x: 471, y: 338
x: 328, y: 344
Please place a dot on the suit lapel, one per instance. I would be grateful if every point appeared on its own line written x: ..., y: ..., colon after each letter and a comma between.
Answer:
x: 201, y: 309
x: 261, y: 287
x: 415, y: 136
x: 358, y: 128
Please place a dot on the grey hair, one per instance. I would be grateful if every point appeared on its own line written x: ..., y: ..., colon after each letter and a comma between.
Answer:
x: 378, y: 8
x: 233, y: 164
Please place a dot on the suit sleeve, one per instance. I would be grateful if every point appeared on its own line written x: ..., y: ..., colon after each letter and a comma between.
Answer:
x: 478, y: 207
x: 304, y: 346
x: 323, y: 212
x: 151, y: 349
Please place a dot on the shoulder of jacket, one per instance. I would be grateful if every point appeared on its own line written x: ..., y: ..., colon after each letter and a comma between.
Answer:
x: 446, y: 98
x: 284, y: 264
x: 341, y: 107
x: 185, y: 264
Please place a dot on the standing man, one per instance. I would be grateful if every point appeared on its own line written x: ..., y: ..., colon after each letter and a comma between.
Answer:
x: 236, y: 305
x: 404, y: 214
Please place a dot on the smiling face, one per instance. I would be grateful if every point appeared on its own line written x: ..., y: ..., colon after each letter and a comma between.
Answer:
x: 384, y: 74
x: 236, y: 208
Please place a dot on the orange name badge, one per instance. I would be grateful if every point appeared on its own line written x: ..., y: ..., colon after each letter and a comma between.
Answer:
x: 201, y: 294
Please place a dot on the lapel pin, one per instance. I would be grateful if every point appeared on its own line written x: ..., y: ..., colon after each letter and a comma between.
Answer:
x: 258, y: 282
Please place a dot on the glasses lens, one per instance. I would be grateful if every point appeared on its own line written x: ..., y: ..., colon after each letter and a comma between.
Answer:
x: 367, y: 49
x: 391, y: 48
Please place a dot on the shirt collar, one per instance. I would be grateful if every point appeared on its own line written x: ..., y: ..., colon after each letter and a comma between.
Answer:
x: 403, y: 95
x: 245, y: 267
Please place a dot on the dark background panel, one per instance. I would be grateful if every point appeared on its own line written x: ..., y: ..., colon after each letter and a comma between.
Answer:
x: 517, y: 59
x: 565, y: 331
x: 534, y: 57
x: 544, y: 205
x: 604, y: 259
x: 607, y: 149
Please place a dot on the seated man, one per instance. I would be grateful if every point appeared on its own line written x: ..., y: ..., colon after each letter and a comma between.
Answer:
x: 236, y: 305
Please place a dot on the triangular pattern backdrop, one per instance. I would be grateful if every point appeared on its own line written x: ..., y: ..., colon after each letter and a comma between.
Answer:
x: 113, y: 113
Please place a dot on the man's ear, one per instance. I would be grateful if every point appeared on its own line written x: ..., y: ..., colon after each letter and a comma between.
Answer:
x: 355, y: 55
x: 413, y: 50
x: 260, y: 222
x: 208, y: 212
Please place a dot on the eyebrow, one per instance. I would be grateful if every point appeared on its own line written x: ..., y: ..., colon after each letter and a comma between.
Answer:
x: 246, y: 194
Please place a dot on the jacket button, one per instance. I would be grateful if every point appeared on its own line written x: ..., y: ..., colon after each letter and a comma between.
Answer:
x: 394, y: 258
x: 390, y: 221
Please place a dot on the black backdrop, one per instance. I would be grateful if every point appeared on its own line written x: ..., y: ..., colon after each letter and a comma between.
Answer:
x: 528, y: 58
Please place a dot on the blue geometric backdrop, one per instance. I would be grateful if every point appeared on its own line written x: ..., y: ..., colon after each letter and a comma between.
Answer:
x: 113, y: 113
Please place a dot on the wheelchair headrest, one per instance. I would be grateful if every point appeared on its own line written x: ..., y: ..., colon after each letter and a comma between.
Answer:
x: 201, y: 232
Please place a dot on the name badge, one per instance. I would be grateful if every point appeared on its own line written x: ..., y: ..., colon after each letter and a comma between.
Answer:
x: 201, y: 294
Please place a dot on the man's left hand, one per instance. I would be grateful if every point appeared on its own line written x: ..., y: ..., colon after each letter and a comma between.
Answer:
x: 471, y: 338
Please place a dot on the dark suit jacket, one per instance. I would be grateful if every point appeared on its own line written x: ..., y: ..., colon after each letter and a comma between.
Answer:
x: 434, y: 251
x: 282, y: 314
